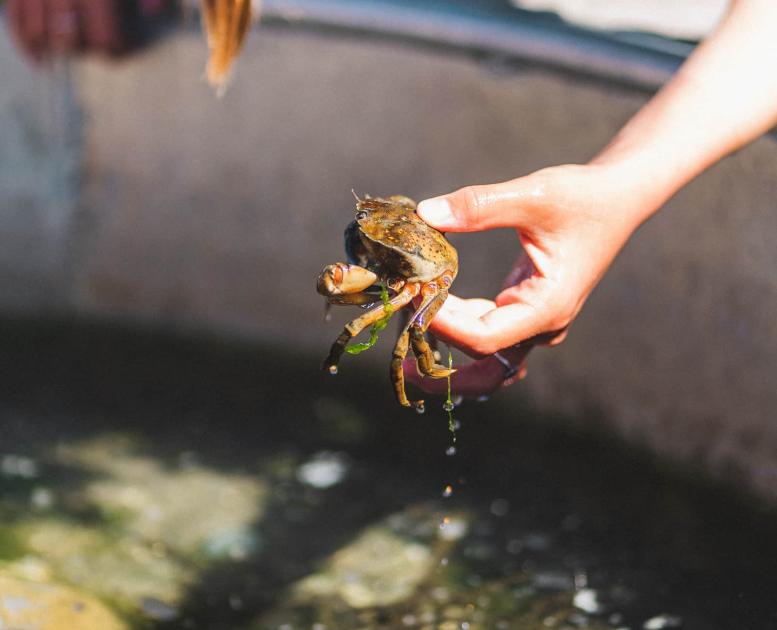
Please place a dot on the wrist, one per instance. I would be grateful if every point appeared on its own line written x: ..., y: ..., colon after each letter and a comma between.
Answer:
x: 638, y: 183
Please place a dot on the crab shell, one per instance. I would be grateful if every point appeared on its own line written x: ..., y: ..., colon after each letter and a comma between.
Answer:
x: 390, y: 239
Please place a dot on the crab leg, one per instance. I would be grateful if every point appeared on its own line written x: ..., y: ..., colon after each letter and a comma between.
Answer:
x: 398, y: 357
x: 434, y: 296
x: 425, y: 356
x: 353, y: 328
x: 396, y: 372
x: 413, y: 332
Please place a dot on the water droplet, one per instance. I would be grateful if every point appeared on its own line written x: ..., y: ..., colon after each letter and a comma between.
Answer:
x: 42, y: 498
x: 324, y: 470
x: 483, y: 398
x: 457, y: 400
x: 587, y: 600
x: 663, y: 621
x: 514, y: 546
x: 450, y: 451
x: 158, y: 610
x: 453, y: 528
x: 444, y: 562
x: 456, y: 425
x: 448, y: 491
x: 500, y: 507
x: 448, y: 405
x: 333, y: 369
x: 419, y: 406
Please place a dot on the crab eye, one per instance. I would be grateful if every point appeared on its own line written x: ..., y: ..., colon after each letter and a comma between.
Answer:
x: 361, y: 215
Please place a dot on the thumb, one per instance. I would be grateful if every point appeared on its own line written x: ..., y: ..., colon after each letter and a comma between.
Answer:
x: 477, y: 208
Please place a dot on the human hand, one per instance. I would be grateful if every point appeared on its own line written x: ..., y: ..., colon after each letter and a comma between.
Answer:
x: 45, y: 27
x: 571, y: 222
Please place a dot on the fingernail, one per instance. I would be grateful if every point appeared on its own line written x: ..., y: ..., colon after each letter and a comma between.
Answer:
x: 436, y: 212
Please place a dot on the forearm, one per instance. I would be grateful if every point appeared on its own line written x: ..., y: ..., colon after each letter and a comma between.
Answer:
x: 723, y: 97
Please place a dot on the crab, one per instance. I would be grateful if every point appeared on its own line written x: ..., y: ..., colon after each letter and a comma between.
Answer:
x: 389, y: 246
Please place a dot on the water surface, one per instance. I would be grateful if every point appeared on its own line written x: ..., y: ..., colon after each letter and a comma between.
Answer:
x: 197, y: 483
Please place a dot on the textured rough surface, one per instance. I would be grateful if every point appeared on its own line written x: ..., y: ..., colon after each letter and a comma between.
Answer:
x: 376, y: 569
x: 188, y: 511
x: 124, y: 569
x: 404, y: 572
x: 154, y: 528
x: 218, y: 213
x: 39, y: 158
x: 27, y: 605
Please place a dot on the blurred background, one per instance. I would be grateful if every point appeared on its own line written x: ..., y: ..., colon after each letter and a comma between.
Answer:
x: 170, y: 454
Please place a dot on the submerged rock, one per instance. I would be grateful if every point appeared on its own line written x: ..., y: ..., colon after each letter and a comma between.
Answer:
x: 407, y: 572
x: 384, y: 565
x: 188, y: 510
x: 25, y: 604
x: 378, y: 569
x: 135, y: 530
x: 124, y: 568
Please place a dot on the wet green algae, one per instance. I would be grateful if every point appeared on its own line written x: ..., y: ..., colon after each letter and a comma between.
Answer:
x: 377, y: 327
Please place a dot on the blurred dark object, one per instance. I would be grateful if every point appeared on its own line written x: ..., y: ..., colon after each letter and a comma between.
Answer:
x: 112, y: 27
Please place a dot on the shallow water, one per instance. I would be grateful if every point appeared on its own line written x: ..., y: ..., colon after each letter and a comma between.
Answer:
x: 194, y: 483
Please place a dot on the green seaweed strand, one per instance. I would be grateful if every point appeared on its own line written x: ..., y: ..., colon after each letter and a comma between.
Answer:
x: 358, y: 348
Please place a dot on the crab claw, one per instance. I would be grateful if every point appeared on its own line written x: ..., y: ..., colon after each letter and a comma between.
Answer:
x: 342, y: 278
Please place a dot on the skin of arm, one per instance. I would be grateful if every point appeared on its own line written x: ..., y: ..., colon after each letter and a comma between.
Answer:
x: 572, y: 220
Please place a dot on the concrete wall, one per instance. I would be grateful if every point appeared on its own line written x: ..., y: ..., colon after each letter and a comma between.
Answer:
x: 40, y: 154
x: 218, y: 213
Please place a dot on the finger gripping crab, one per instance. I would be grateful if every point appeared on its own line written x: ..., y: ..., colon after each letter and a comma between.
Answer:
x: 389, y: 246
